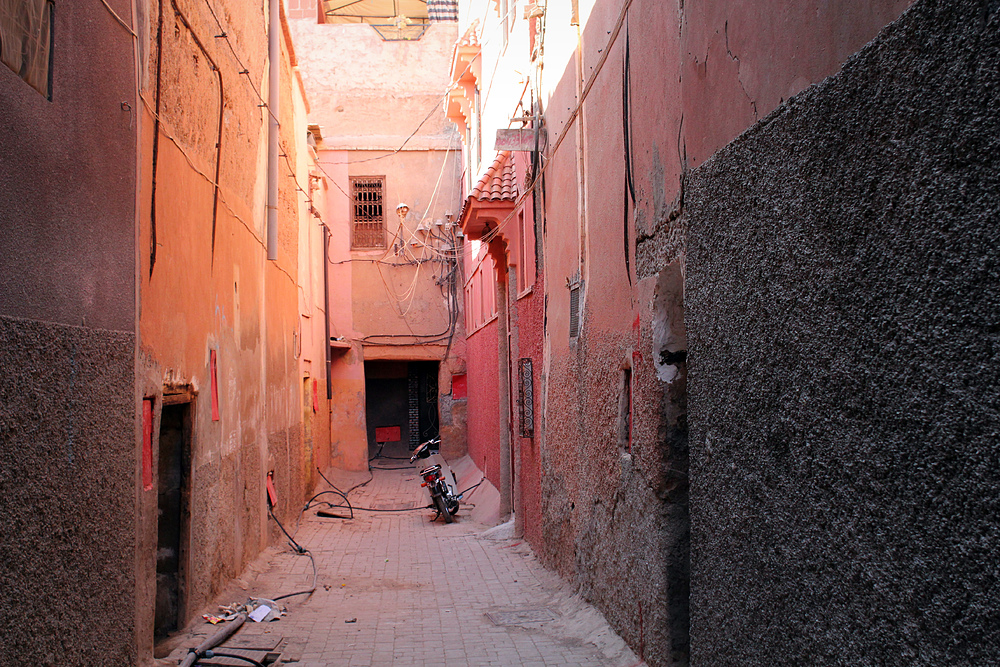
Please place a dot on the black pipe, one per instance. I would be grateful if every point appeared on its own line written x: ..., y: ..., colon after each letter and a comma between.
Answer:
x: 222, y: 108
x: 326, y: 311
x: 156, y: 139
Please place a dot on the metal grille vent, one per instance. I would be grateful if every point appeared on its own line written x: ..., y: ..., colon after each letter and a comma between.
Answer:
x: 574, y: 311
x: 369, y: 217
x: 413, y: 412
x: 526, y: 398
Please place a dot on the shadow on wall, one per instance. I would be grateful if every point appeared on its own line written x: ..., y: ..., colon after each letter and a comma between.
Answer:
x: 842, y: 293
x: 670, y: 360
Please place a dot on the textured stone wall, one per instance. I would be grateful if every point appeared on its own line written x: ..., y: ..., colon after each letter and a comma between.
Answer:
x: 67, y: 471
x: 68, y: 468
x: 842, y: 294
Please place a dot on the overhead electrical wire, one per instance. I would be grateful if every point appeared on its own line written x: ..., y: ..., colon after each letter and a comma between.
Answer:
x: 410, y: 294
x: 244, y: 70
x: 164, y: 125
x: 492, y: 233
x: 212, y: 181
x: 450, y: 255
x: 497, y: 31
x: 119, y: 19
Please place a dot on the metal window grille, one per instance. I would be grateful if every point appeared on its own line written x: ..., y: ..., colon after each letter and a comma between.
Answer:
x: 526, y: 398
x: 369, y: 213
x: 413, y: 411
x: 442, y: 10
x: 574, y: 311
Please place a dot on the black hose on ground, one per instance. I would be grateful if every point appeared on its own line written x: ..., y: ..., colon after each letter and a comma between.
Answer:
x: 217, y: 654
x: 377, y: 509
x: 301, y: 551
x: 295, y: 545
x: 336, y: 491
x: 315, y: 579
x: 472, y: 487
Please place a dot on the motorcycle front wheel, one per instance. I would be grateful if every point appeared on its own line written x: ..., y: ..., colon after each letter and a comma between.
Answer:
x: 442, y: 509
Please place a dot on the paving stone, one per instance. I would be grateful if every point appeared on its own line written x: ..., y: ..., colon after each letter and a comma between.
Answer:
x: 421, y: 590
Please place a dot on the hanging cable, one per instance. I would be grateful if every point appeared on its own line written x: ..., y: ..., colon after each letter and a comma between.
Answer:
x: 300, y: 551
x: 212, y: 653
x: 498, y: 30
x: 315, y: 580
x: 118, y: 18
x: 494, y: 232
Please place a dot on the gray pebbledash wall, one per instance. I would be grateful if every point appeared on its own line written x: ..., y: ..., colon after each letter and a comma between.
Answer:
x: 843, y: 312
x: 68, y: 468
x: 67, y: 486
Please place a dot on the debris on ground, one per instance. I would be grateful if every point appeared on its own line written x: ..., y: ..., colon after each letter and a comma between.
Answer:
x: 260, y: 610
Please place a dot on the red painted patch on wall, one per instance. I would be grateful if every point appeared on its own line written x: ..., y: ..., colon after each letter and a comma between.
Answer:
x: 459, y: 387
x: 272, y: 493
x: 147, y: 444
x: 387, y: 434
x: 215, y: 387
x: 315, y: 396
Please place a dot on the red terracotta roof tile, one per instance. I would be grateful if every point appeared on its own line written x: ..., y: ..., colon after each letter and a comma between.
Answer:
x: 470, y: 38
x: 499, y: 182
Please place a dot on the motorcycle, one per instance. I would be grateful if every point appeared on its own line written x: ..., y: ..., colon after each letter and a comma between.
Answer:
x: 443, y: 493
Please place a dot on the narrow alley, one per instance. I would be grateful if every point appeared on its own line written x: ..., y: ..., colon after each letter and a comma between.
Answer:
x: 700, y: 299
x: 400, y: 588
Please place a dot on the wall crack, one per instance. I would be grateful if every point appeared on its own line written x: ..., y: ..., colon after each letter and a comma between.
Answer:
x: 739, y: 75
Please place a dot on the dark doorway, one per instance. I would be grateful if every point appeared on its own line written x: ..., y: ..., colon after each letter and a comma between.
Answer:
x: 424, y: 375
x: 172, y: 505
x: 403, y: 394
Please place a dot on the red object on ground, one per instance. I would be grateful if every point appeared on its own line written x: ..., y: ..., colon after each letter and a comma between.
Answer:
x: 387, y: 434
x: 147, y: 444
x: 215, y: 387
x: 459, y: 387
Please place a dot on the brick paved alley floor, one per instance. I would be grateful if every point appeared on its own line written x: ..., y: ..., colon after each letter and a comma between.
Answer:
x: 395, y: 588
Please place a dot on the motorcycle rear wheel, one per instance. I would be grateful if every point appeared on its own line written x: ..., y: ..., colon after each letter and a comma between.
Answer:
x: 443, y: 509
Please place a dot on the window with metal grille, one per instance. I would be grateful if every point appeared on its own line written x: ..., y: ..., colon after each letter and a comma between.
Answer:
x: 368, y: 212
x: 574, y: 311
x: 526, y: 398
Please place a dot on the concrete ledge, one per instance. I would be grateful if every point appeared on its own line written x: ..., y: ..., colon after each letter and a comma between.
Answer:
x: 485, y: 497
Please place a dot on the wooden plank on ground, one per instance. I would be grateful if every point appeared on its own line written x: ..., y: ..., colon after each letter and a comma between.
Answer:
x: 255, y: 641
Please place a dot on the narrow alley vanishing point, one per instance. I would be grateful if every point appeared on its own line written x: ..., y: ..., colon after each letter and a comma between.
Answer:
x: 703, y: 296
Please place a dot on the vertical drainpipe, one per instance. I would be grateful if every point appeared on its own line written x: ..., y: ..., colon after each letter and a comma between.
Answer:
x: 326, y: 310
x: 503, y: 352
x: 273, y: 72
x: 581, y: 175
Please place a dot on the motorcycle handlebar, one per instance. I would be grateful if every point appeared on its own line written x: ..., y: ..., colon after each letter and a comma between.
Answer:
x: 424, y: 445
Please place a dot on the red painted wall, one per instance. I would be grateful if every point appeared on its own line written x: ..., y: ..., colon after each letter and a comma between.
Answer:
x: 484, y: 418
x: 530, y: 330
